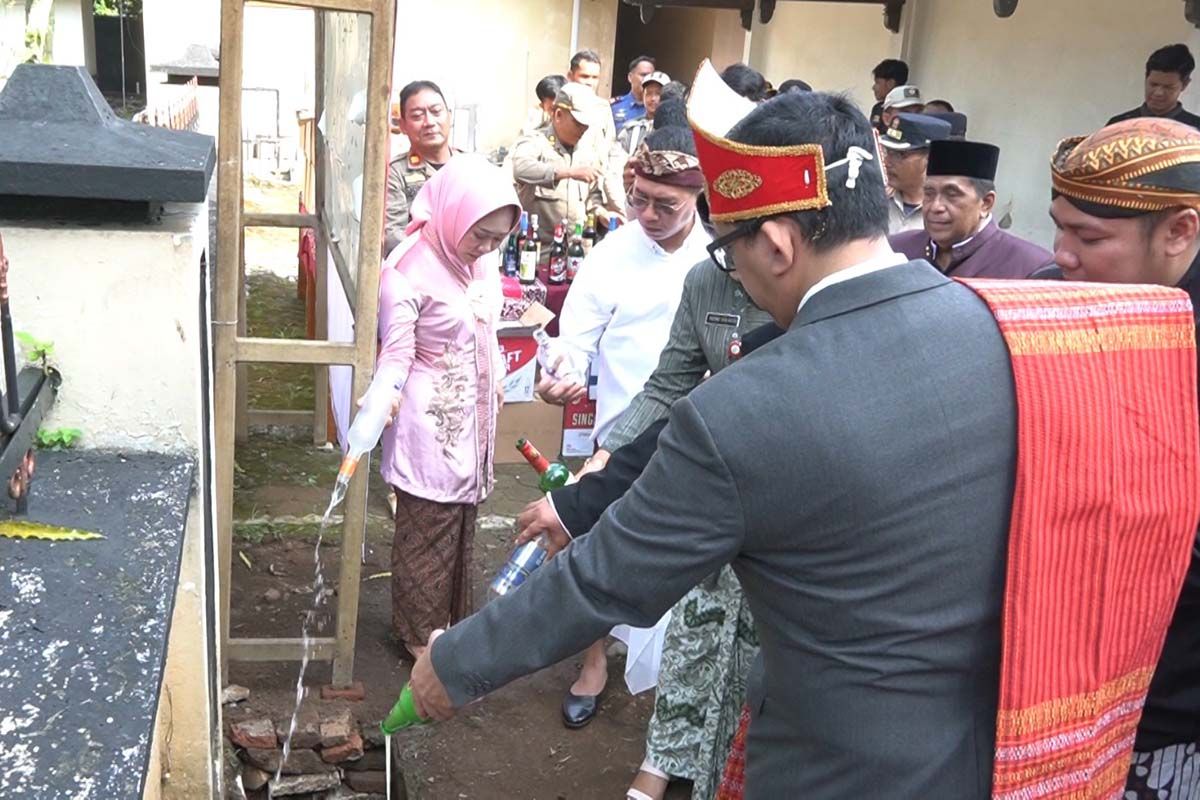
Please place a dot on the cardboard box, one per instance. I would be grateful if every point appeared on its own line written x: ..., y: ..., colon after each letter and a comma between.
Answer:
x: 520, y: 359
x: 578, y: 421
x: 537, y: 421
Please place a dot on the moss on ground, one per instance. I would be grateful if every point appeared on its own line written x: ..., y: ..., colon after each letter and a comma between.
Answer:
x: 265, y: 460
x: 273, y: 311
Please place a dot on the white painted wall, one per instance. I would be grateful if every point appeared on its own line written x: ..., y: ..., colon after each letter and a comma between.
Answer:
x: 1052, y: 70
x: 278, y: 54
x: 12, y: 38
x: 121, y: 306
x: 493, y: 53
x: 171, y: 25
x: 833, y: 46
x: 74, y: 36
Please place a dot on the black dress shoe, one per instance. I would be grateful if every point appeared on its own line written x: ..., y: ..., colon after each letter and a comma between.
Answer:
x: 577, y: 710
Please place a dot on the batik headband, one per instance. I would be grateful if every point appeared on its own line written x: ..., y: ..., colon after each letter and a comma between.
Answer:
x: 1133, y: 167
x: 668, y: 166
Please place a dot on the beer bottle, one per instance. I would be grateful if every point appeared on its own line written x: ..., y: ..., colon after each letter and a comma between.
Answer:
x: 589, y: 234
x: 558, y: 257
x: 575, y: 253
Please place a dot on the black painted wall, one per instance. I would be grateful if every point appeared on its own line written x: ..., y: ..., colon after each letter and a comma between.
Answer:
x: 108, y: 55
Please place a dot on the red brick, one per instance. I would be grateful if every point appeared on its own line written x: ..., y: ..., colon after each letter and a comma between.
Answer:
x: 337, y: 728
x: 355, y: 692
x: 256, y: 733
x: 352, y: 749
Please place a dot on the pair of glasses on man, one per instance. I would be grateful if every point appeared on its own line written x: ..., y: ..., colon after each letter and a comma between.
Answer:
x: 640, y: 202
x: 720, y: 250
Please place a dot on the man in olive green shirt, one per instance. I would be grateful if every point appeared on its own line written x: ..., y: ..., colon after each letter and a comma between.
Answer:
x: 713, y: 314
x: 709, y: 642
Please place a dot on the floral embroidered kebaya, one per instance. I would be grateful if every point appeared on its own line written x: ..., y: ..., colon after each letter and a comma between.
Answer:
x: 437, y: 323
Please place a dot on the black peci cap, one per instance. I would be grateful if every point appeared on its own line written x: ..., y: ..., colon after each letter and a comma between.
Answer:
x: 955, y: 157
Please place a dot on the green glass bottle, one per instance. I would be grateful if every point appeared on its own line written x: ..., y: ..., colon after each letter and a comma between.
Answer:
x: 551, y: 475
x: 403, y: 714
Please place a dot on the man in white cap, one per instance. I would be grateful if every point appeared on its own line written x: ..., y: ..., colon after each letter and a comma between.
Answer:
x: 634, y: 133
x: 906, y: 99
x: 555, y: 179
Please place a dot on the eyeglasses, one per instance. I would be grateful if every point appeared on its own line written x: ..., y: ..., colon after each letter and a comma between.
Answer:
x: 640, y: 202
x: 720, y: 250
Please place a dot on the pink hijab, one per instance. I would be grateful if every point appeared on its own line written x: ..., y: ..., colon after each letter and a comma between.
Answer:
x: 463, y: 192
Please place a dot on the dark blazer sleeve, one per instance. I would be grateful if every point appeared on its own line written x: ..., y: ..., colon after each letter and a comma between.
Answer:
x: 580, y: 505
x: 679, y: 523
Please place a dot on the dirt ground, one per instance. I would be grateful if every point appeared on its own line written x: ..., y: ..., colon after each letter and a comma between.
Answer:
x: 511, y: 745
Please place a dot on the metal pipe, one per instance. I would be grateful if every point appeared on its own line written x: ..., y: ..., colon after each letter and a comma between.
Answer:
x: 11, y: 417
x: 575, y: 12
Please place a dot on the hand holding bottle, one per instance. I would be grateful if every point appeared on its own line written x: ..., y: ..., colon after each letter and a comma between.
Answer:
x: 539, y: 519
x: 560, y: 392
x: 558, y: 384
x: 429, y: 694
x: 395, y: 408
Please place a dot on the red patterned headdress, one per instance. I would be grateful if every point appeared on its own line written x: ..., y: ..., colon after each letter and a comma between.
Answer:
x: 745, y: 181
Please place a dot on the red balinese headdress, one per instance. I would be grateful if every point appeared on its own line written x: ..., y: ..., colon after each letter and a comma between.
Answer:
x: 745, y: 181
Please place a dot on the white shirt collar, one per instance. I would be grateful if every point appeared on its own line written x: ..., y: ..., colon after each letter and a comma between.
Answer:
x: 850, y: 273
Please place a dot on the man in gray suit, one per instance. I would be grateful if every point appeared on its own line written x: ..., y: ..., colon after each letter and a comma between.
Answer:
x: 857, y: 473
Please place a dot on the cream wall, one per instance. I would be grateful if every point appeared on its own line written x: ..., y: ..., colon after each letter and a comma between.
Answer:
x: 124, y: 324
x: 729, y: 40
x: 833, y: 46
x: 495, y: 51
x: 598, y: 31
x: 1050, y: 71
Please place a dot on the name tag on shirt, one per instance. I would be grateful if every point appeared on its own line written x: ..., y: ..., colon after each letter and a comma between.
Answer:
x: 725, y: 320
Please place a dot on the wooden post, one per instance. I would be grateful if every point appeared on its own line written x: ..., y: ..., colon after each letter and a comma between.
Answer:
x: 242, y: 415
x: 379, y: 71
x: 320, y: 422
x: 228, y: 289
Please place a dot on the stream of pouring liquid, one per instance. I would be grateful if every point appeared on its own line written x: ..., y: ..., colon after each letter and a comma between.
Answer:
x: 339, y: 494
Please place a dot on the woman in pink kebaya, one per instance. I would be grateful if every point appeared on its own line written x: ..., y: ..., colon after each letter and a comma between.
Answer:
x: 438, y: 308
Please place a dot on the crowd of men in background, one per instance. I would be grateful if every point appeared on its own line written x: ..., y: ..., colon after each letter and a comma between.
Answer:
x: 579, y: 157
x: 570, y: 160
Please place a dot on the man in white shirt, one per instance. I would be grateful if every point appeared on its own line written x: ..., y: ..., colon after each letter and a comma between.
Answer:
x: 618, y: 314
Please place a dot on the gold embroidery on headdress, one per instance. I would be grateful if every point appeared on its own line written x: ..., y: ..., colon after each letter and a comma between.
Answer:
x: 736, y: 183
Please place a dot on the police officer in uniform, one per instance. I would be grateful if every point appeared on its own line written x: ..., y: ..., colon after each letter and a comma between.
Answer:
x: 556, y: 178
x: 425, y: 120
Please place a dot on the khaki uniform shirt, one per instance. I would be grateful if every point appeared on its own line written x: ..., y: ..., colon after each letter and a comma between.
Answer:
x: 406, y: 175
x: 602, y: 142
x: 535, y: 159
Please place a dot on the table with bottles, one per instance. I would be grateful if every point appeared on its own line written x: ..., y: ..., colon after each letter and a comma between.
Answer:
x: 524, y: 259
